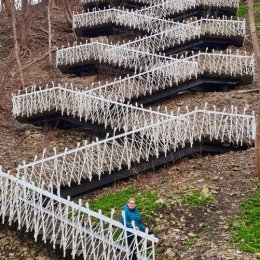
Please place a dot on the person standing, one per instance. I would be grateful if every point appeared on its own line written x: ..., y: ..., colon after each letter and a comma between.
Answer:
x: 132, y: 215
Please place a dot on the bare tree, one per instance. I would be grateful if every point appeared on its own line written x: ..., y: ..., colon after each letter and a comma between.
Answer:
x: 25, y: 23
x: 10, y: 9
x: 257, y: 55
x: 50, y: 33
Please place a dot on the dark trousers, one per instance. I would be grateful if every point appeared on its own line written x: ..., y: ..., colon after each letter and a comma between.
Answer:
x: 131, y: 244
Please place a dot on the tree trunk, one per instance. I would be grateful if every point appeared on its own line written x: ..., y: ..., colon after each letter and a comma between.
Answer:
x: 257, y: 55
x: 25, y: 24
x: 10, y: 9
x: 50, y: 34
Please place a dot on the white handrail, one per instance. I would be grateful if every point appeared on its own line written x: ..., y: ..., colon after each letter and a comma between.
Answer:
x: 147, y: 134
x: 153, y: 24
x: 72, y: 226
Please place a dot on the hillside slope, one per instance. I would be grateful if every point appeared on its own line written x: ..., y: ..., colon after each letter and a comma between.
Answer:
x: 184, y: 234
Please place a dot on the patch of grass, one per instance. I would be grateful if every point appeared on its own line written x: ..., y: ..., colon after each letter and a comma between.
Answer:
x: 157, y: 229
x: 160, y: 250
x: 194, y: 198
x: 242, y: 11
x: 169, y: 196
x: 257, y: 14
x: 145, y: 200
x: 257, y: 19
x: 247, y: 225
x: 257, y: 7
x: 115, y: 200
x: 190, y: 243
x: 206, y: 228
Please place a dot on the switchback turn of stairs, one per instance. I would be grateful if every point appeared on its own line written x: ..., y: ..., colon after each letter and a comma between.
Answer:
x: 145, y: 134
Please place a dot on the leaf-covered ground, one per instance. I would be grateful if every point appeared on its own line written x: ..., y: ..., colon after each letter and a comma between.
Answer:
x: 188, y: 225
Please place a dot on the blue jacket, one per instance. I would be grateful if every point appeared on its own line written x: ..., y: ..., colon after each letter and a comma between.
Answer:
x: 132, y: 215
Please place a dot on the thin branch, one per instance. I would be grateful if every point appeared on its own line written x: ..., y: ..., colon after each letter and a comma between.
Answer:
x: 49, y: 30
x: 10, y: 8
x: 39, y: 59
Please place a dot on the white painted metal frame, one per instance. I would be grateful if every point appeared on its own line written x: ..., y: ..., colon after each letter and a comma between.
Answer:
x: 119, y: 151
x: 113, y: 55
x: 183, y: 33
x: 228, y: 64
x: 140, y: 61
x: 134, y: 1
x: 172, y: 74
x: 145, y: 137
x: 69, y: 225
x: 84, y: 106
x: 178, y: 6
x: 166, y: 8
x: 155, y: 25
x: 160, y: 77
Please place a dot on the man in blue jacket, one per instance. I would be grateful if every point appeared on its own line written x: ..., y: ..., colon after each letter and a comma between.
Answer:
x: 132, y: 215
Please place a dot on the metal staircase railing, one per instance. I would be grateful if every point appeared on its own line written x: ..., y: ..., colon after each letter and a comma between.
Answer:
x: 68, y: 225
x: 176, y: 73
x: 153, y: 25
x: 145, y: 135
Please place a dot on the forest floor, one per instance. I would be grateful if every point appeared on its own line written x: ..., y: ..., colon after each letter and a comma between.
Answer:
x: 200, y: 233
